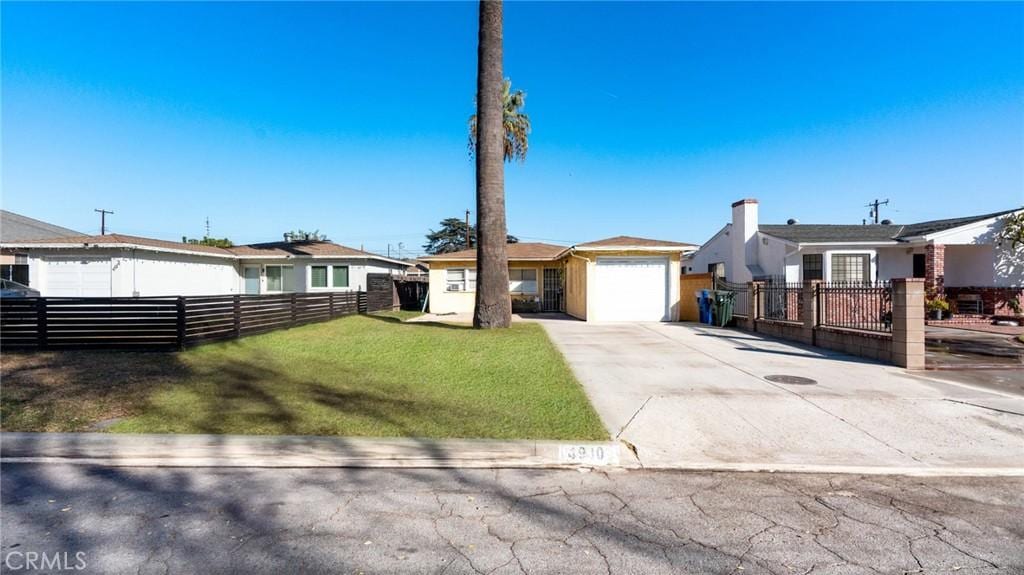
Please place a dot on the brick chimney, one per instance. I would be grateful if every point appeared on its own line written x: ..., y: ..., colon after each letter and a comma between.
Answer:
x: 743, y: 238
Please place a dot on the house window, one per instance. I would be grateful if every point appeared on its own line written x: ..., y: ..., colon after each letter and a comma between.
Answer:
x: 339, y: 276
x: 318, y: 276
x: 461, y: 279
x: 718, y: 269
x: 814, y: 267
x: 522, y: 281
x: 919, y: 266
x: 851, y: 268
x: 16, y: 272
x: 280, y: 279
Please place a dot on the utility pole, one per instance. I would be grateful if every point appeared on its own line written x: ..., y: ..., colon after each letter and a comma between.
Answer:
x: 389, y: 250
x: 467, y: 230
x: 207, y: 226
x: 874, y: 208
x: 103, y: 220
x: 400, y: 246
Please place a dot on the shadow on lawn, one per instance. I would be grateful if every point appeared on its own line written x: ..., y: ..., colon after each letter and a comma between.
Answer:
x: 420, y: 324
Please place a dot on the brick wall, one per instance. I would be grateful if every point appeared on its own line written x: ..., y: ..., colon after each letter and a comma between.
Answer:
x: 934, y: 267
x: 994, y: 300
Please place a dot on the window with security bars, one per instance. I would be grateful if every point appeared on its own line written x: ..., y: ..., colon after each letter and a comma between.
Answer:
x: 851, y: 268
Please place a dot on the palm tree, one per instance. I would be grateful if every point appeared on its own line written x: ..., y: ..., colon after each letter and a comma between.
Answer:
x: 516, y: 124
x: 493, y: 304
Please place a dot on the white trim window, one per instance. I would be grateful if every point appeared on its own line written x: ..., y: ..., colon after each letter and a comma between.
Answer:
x: 522, y: 280
x: 460, y: 279
x: 328, y: 276
x: 339, y: 276
x: 280, y: 279
x: 851, y: 268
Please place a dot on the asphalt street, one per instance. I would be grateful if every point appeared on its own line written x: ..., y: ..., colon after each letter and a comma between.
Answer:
x: 159, y: 520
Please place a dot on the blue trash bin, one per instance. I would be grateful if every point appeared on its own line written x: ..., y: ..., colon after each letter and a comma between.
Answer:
x: 705, y: 304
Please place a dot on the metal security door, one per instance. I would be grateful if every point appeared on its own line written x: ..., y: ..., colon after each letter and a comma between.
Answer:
x: 552, y: 290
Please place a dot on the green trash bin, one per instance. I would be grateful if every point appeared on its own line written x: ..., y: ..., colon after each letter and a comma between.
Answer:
x: 724, y: 303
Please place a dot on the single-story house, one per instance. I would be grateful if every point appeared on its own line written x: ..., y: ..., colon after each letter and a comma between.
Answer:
x: 616, y: 279
x: 15, y: 228
x: 961, y: 257
x: 118, y: 265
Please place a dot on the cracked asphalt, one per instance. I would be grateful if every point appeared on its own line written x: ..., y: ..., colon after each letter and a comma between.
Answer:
x: 151, y: 520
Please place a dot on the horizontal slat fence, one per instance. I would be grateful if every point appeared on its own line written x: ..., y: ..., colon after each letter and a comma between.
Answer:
x: 163, y: 322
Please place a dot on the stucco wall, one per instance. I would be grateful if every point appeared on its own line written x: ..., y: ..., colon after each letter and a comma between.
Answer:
x: 970, y: 266
x: 144, y: 273
x: 717, y: 249
x: 444, y: 301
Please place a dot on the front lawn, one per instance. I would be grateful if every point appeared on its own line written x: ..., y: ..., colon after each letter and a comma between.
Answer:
x: 355, y: 376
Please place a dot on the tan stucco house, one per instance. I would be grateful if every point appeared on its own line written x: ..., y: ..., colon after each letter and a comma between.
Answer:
x: 616, y: 279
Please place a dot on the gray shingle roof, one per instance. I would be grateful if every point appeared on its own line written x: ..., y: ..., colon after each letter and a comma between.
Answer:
x: 16, y: 227
x: 821, y: 233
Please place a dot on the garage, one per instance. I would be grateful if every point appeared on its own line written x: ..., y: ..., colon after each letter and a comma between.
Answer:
x: 78, y: 277
x: 631, y: 289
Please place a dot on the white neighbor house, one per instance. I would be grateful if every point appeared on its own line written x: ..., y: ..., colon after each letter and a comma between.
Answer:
x: 955, y: 256
x: 116, y: 265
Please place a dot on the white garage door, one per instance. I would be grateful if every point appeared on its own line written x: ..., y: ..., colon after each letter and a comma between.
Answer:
x: 78, y: 277
x: 631, y: 289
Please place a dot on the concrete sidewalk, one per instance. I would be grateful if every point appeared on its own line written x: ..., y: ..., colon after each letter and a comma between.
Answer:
x: 170, y: 450
x: 688, y: 397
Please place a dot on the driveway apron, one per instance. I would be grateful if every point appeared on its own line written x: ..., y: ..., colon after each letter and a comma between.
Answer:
x: 688, y: 396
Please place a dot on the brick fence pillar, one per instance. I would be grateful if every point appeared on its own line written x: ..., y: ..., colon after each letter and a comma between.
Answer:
x: 810, y: 305
x: 908, y: 322
x: 934, y: 268
x: 756, y: 297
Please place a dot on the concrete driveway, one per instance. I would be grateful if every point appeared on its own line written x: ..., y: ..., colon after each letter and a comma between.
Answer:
x: 687, y: 396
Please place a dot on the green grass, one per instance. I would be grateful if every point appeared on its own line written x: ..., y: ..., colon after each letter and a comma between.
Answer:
x: 1020, y: 338
x: 355, y: 376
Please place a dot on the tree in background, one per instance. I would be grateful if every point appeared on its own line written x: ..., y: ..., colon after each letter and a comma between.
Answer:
x: 493, y: 304
x: 207, y: 241
x: 1013, y: 230
x: 304, y: 236
x: 515, y: 122
x: 452, y: 237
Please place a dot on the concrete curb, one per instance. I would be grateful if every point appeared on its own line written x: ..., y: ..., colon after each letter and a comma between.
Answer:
x: 236, y: 451
x: 174, y: 450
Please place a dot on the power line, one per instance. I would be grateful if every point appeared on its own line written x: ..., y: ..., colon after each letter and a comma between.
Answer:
x: 875, y: 209
x: 103, y: 220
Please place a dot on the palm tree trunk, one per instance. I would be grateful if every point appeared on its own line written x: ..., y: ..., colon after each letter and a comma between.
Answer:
x: 493, y: 305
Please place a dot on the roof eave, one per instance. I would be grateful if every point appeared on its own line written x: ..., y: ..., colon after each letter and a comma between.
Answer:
x: 114, y: 246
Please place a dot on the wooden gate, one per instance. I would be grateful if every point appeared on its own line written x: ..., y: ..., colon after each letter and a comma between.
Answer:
x: 688, y: 284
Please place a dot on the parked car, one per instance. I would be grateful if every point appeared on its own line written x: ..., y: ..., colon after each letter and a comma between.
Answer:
x: 10, y: 288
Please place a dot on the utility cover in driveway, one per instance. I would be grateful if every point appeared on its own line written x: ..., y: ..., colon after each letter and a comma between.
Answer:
x: 631, y: 289
x: 790, y: 379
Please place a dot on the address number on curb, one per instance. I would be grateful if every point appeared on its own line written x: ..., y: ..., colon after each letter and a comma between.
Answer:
x: 588, y: 454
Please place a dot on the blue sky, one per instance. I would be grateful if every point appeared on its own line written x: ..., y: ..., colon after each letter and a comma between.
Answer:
x: 649, y: 119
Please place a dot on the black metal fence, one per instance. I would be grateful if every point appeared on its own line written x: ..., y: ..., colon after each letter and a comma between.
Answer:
x: 741, y: 305
x: 866, y: 307
x: 780, y: 301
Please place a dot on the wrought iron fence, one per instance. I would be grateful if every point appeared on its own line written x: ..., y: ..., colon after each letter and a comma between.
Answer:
x: 781, y: 301
x: 741, y: 304
x: 866, y: 307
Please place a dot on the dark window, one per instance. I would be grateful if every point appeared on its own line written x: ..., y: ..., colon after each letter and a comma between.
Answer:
x: 919, y: 265
x: 814, y: 269
x: 15, y: 272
